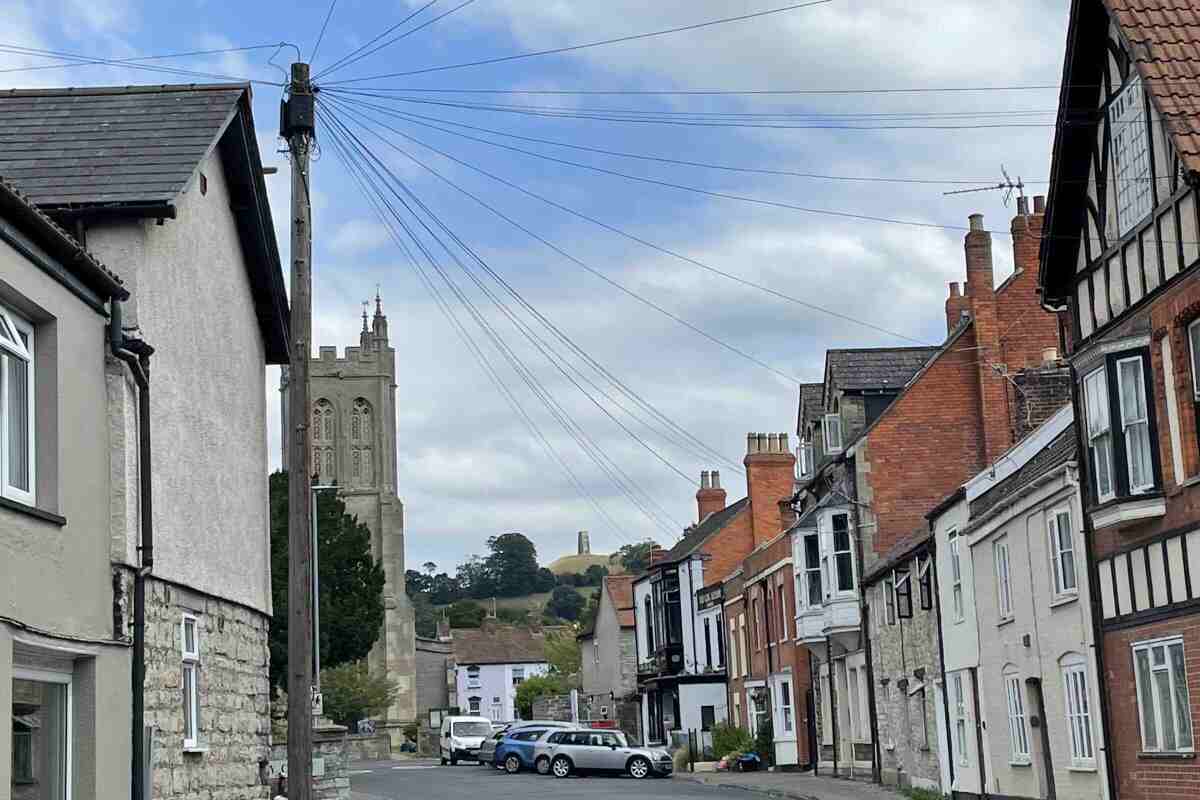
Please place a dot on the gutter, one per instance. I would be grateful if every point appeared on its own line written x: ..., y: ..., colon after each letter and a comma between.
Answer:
x: 136, y: 354
x: 936, y: 600
x: 160, y: 211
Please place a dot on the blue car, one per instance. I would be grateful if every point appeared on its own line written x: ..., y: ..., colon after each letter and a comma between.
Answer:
x: 515, y: 751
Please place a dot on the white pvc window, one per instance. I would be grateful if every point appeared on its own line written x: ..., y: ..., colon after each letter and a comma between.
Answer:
x: 1062, y: 550
x: 812, y: 570
x: 960, y: 719
x: 189, y: 643
x: 16, y: 408
x: 804, y: 459
x: 842, y: 553
x: 1079, y: 717
x: 43, y: 733
x: 1135, y: 423
x: 1162, y: 696
x: 1018, y: 731
x: 785, y: 705
x: 733, y: 650
x: 1099, y: 432
x: 473, y: 677
x: 833, y: 433
x: 473, y: 705
x: 1194, y: 346
x: 1131, y: 156
x: 1003, y: 579
x: 956, y: 576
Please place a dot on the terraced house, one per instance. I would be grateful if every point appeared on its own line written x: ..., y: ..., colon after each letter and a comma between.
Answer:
x: 1120, y: 256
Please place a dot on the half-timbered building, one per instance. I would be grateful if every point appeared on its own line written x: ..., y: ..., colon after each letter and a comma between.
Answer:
x: 1120, y: 253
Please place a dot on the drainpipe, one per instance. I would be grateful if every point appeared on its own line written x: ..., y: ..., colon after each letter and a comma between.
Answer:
x: 136, y: 354
x: 983, y: 788
x: 1084, y: 480
x: 864, y: 629
x: 833, y: 711
x: 937, y: 606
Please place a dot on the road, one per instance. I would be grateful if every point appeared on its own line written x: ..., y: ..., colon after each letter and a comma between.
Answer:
x: 390, y: 781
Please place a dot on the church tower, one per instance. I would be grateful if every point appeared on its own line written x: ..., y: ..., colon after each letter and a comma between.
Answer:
x: 353, y: 421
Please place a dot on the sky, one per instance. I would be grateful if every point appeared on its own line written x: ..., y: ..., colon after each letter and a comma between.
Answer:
x: 469, y: 465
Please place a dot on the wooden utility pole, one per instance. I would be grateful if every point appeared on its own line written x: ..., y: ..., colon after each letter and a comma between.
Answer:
x: 297, y: 125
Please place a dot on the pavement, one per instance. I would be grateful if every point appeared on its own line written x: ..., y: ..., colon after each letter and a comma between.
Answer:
x: 391, y: 780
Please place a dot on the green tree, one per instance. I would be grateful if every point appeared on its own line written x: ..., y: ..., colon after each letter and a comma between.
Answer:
x: 545, y: 580
x: 562, y: 651
x: 588, y: 615
x: 533, y: 688
x: 351, y: 693
x: 512, y: 565
x: 425, y: 616
x: 351, y: 601
x: 635, y: 557
x: 594, y: 575
x: 565, y: 603
x: 466, y: 614
x: 475, y: 579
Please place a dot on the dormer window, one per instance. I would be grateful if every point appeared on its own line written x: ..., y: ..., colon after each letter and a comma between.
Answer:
x: 833, y: 433
x: 1130, y: 156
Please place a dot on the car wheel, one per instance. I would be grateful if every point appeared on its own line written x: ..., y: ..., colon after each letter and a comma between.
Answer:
x: 638, y: 767
x: 561, y: 767
x: 542, y: 766
x: 512, y: 765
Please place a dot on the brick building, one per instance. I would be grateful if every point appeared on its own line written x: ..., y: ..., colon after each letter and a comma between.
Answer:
x: 1120, y: 254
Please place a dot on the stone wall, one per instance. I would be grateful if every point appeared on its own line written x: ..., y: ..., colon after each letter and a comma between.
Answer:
x: 234, y: 696
x: 369, y: 747
x: 553, y: 707
x: 331, y: 763
x: 1039, y: 393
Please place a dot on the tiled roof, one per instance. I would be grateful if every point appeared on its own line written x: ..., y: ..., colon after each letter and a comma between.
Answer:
x: 620, y: 592
x: 700, y: 533
x: 1164, y: 41
x: 875, y: 368
x: 1060, y: 450
x: 810, y: 406
x: 900, y: 551
x: 493, y: 643
x: 110, y: 145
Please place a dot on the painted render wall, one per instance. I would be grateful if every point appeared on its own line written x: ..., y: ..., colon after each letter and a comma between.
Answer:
x: 608, y: 658
x: 495, y: 680
x: 192, y: 303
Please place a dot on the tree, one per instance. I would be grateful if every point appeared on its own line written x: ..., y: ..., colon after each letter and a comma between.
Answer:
x: 425, y: 616
x: 352, y: 693
x: 545, y: 580
x: 565, y: 602
x: 594, y: 575
x: 512, y: 565
x: 475, y: 579
x: 444, y: 590
x: 466, y: 614
x: 588, y: 616
x: 533, y: 688
x: 415, y: 583
x: 351, y: 601
x: 429, y: 568
x: 635, y: 557
x: 562, y: 651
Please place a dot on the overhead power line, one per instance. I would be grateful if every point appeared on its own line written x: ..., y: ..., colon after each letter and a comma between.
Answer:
x: 321, y: 36
x: 359, y: 49
x: 572, y: 48
x: 389, y: 42
x: 74, y: 60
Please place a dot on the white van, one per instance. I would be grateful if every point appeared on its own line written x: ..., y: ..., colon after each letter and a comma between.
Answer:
x: 461, y: 737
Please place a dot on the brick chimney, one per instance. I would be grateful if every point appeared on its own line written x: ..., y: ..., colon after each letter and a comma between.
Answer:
x: 710, y: 497
x: 770, y: 476
x: 657, y: 554
x: 981, y: 296
x: 956, y: 306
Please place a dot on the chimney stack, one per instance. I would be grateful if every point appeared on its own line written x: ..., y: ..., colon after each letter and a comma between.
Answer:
x: 770, y: 475
x: 978, y: 246
x: 711, y: 497
x: 957, y: 306
x: 657, y: 554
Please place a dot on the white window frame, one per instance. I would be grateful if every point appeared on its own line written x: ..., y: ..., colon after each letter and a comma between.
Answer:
x: 811, y: 569
x: 518, y: 674
x: 733, y: 650
x: 833, y: 441
x: 473, y: 680
x: 781, y: 596
x: 1131, y: 168
x: 960, y: 720
x: 864, y: 708
x: 1061, y: 574
x: 190, y: 665
x: 956, y: 590
x: 1002, y: 559
x: 62, y: 679
x: 1018, y: 728
x: 1131, y: 426
x: 737, y: 709
x: 1078, y: 703
x: 1193, y: 331
x: 889, y: 601
x: 836, y: 555
x: 852, y: 701
x: 804, y: 459
x: 1182, y: 722
x: 13, y: 349
x: 474, y: 704
x: 786, y: 710
x: 1098, y: 420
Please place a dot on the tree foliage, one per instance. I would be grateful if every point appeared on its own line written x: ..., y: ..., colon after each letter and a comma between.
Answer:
x: 533, y: 688
x: 565, y: 603
x: 729, y: 738
x: 352, y: 693
x: 512, y: 566
x: 635, y: 558
x: 562, y: 651
x: 466, y: 614
x: 351, y: 601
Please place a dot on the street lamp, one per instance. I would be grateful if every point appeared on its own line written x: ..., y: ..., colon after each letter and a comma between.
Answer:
x: 316, y: 592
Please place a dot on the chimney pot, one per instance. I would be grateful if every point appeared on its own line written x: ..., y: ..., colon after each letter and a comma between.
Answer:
x: 976, y: 221
x: 751, y: 444
x: 1022, y: 205
x: 1039, y: 204
x: 716, y: 479
x: 1049, y: 355
x: 764, y: 445
x: 954, y: 289
x: 783, y: 443
x: 772, y: 443
x: 704, y: 480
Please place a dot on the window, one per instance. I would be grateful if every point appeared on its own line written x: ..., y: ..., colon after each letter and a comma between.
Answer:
x: 1062, y: 550
x: 720, y: 640
x: 904, y: 605
x: 649, y: 626
x: 785, y: 705
x: 1135, y: 423
x: 595, y: 654
x: 41, y: 727
x: 473, y: 704
x: 1130, y: 156
x: 745, y: 644
x: 926, y: 583
x: 833, y: 433
x: 497, y: 714
x: 755, y: 613
x: 1003, y: 579
x: 804, y: 460
x: 812, y: 569
x: 1163, y: 696
x: 756, y: 705
x: 737, y: 709
x: 189, y: 631
x: 850, y: 689
x: 1018, y: 733
x: 781, y: 596
x: 473, y: 677
x: 842, y: 554
x: 920, y: 737
x: 1079, y: 720
x: 1099, y: 432
x: 960, y: 719
x: 518, y: 675
x: 733, y: 651
x: 1194, y: 346
x: 16, y: 408
x: 956, y: 576
x: 889, y: 601
x: 708, y: 662
x: 708, y: 717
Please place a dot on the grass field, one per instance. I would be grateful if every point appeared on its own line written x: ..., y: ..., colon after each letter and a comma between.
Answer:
x: 536, y: 600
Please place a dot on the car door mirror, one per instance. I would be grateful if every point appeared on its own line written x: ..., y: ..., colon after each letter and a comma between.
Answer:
x: 612, y: 747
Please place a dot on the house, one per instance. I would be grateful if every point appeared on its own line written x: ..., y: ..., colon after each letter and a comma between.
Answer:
x: 608, y: 657
x: 165, y: 185
x: 60, y: 646
x: 491, y: 661
x: 1120, y: 258
x: 858, y: 385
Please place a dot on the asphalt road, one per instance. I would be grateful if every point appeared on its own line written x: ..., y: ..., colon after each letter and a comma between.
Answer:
x: 392, y: 781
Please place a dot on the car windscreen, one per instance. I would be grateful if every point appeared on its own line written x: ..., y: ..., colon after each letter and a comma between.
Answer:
x: 471, y: 729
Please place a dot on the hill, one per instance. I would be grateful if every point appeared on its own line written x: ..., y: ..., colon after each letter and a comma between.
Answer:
x: 571, y: 564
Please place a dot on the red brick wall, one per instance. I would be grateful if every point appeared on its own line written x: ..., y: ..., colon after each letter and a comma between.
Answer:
x: 1025, y: 328
x: 770, y: 477
x: 727, y: 549
x: 1145, y: 778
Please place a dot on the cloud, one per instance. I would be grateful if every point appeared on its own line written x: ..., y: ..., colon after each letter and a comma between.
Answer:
x: 357, y: 236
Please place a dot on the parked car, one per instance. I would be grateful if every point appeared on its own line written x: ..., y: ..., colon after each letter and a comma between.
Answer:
x: 460, y: 738
x: 516, y: 749
x: 583, y: 751
x: 487, y: 751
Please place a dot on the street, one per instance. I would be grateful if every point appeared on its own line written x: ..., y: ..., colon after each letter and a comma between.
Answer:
x: 388, y: 780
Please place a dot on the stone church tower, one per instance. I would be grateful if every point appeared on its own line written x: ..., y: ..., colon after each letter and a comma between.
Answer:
x: 354, y: 445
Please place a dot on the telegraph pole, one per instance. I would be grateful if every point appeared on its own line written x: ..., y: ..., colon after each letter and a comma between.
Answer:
x: 297, y: 125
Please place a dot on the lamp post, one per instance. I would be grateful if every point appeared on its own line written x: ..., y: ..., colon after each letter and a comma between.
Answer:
x: 316, y: 589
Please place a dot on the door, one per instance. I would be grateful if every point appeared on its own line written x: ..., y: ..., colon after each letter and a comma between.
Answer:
x: 810, y: 725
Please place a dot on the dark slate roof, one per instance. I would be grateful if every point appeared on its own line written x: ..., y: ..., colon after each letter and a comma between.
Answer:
x: 1060, y: 450
x: 700, y: 533
x: 901, y: 551
x: 493, y: 643
x: 875, y: 368
x: 810, y: 405
x: 69, y: 147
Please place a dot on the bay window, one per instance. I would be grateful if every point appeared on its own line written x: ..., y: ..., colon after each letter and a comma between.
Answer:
x: 1120, y: 419
x: 16, y: 408
x: 843, y: 556
x: 1099, y: 434
x: 1162, y: 696
x: 1135, y: 424
x: 812, y: 569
